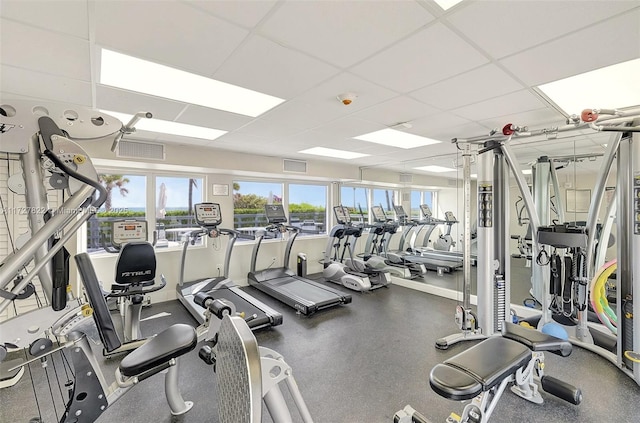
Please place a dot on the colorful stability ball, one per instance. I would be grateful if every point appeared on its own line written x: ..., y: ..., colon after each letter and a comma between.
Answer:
x: 555, y: 329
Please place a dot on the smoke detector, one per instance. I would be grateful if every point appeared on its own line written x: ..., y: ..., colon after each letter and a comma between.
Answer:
x: 347, y: 98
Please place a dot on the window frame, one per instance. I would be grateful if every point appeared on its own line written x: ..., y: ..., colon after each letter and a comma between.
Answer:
x: 150, y: 204
x: 285, y: 201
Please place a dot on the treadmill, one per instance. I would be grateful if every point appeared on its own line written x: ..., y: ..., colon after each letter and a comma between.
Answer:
x: 281, y: 283
x: 438, y: 265
x: 193, y: 293
x: 431, y: 222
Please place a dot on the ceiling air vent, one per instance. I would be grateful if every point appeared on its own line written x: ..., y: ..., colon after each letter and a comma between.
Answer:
x: 140, y: 150
x: 297, y: 166
x: 406, y: 178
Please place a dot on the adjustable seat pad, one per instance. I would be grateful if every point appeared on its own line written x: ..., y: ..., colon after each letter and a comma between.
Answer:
x: 535, y: 340
x: 171, y: 343
x: 136, y: 264
x: 479, y: 368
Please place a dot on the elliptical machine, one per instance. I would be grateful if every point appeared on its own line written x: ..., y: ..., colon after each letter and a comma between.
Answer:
x: 353, y: 274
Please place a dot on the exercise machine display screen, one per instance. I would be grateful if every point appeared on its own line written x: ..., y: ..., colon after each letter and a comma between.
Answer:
x: 275, y: 213
x: 342, y: 215
x: 400, y: 212
x: 378, y: 214
x: 123, y: 231
x: 449, y: 217
x: 208, y: 214
x: 426, y: 211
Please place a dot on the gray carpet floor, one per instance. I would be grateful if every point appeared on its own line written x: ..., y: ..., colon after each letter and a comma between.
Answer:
x: 356, y: 363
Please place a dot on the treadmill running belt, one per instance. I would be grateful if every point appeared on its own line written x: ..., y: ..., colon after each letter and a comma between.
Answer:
x: 297, y: 288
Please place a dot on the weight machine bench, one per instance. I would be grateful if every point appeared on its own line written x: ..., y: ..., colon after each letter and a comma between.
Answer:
x: 484, y: 371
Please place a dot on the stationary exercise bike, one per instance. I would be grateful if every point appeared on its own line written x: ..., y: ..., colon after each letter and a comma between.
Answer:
x: 445, y: 241
x: 135, y: 273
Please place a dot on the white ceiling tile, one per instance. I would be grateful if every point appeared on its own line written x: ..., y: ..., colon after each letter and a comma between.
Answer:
x: 269, y: 129
x: 303, y: 115
x: 502, y: 28
x: 123, y: 101
x: 399, y: 109
x: 349, y: 127
x: 65, y: 16
x: 57, y: 54
x: 246, y: 13
x: 326, y: 94
x: 428, y: 125
x: 212, y: 118
x: 42, y: 86
x: 168, y: 33
x: 616, y: 40
x: 344, y: 32
x: 471, y: 87
x: 517, y: 102
x: 422, y: 59
x: 265, y: 66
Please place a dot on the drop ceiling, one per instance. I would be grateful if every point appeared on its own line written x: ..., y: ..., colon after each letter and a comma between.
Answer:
x: 455, y: 73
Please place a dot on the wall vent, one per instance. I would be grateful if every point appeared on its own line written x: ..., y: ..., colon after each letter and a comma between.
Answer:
x: 406, y: 178
x: 452, y: 182
x: 297, y: 166
x: 140, y: 150
x: 406, y: 197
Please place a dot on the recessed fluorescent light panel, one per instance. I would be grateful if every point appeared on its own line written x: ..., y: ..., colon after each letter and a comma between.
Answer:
x: 436, y: 169
x: 395, y: 138
x: 527, y: 171
x: 130, y: 73
x: 167, y: 127
x: 447, y: 4
x: 330, y: 152
x: 615, y: 86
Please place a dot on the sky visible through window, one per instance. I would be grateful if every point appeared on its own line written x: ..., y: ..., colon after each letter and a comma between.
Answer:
x: 177, y: 190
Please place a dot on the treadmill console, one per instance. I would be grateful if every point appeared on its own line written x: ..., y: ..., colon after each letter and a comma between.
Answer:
x: 426, y: 211
x: 208, y: 214
x: 342, y: 215
x: 123, y: 231
x: 378, y: 214
x: 400, y: 213
x: 275, y: 213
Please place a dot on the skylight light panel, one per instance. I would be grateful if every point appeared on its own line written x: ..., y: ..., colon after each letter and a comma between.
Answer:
x: 330, y: 152
x: 436, y: 169
x: 447, y: 4
x: 172, y: 128
x: 395, y: 138
x: 130, y: 73
x: 615, y: 86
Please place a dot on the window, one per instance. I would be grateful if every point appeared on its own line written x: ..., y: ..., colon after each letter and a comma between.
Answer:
x: 308, y: 208
x: 421, y: 197
x: 249, y: 199
x: 356, y: 200
x: 169, y: 210
x: 386, y: 199
x: 416, y: 201
x: 174, y: 200
x: 126, y: 199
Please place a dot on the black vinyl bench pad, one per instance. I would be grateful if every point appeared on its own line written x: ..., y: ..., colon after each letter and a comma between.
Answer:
x: 483, y: 366
x: 479, y: 368
x: 170, y: 343
x: 535, y: 340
